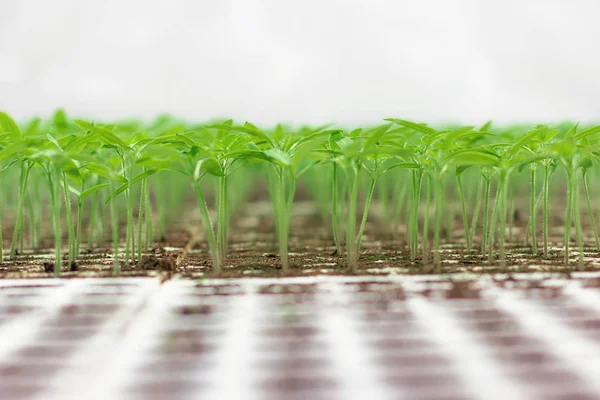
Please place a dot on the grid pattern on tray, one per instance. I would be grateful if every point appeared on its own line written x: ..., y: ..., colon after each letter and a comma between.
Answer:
x: 492, y: 337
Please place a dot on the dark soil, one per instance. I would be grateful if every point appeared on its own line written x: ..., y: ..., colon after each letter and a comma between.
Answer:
x: 252, y: 252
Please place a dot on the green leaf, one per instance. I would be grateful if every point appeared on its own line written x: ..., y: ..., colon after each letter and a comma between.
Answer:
x: 109, y: 137
x: 93, y: 189
x: 278, y: 157
x: 60, y: 120
x: 12, y: 149
x: 84, y: 125
x: 68, y: 166
x: 409, y: 165
x: 461, y: 168
x: 587, y: 132
x: 99, y: 169
x: 572, y: 132
x: 344, y: 142
x: 33, y: 126
x: 409, y: 124
x: 375, y: 135
x: 212, y: 166
x: 486, y: 127
x: 8, y: 125
x: 585, y: 163
x: 54, y: 141
x: 472, y: 157
x: 126, y: 185
x: 73, y: 190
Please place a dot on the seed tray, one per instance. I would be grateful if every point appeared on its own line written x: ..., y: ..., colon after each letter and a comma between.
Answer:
x: 435, y: 337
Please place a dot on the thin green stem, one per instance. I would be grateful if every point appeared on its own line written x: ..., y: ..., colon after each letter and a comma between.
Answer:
x: 222, y: 217
x: 351, y: 224
x: 31, y: 212
x: 532, y: 212
x: 437, y: 260
x: 577, y: 212
x: 503, y: 185
x: 363, y: 221
x: 511, y: 212
x: 281, y: 203
x: 475, y: 217
x: 69, y: 213
x: 568, y: 212
x: 1, y: 226
x: 129, y: 231
x: 38, y: 206
x: 590, y: 210
x: 114, y: 217
x: 208, y: 228
x: 92, y: 221
x: 546, y: 208
x: 79, y: 232
x: 464, y: 211
x: 25, y: 168
x: 426, y: 221
x: 486, y: 216
x: 493, y: 220
x: 448, y: 208
x: 417, y: 179
x: 335, y: 211
x: 54, y: 200
x: 148, y: 216
x: 141, y: 211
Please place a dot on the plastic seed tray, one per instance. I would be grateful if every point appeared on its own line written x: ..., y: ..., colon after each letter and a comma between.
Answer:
x: 492, y: 337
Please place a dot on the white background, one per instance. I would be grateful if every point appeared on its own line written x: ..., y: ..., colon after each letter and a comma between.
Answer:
x: 348, y: 61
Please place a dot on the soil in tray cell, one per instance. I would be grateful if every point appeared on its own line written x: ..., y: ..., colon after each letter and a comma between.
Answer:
x: 530, y: 357
x: 401, y: 344
x: 547, y: 377
x: 45, y: 352
x: 301, y: 364
x: 426, y: 384
x: 457, y: 290
x: 298, y: 289
x: 473, y: 314
x: 66, y: 335
x: 510, y: 341
x: 161, y: 389
x: 169, y: 367
x: 378, y: 293
x: 77, y: 321
x: 19, y: 371
x: 284, y: 386
x: 566, y: 394
x: 396, y: 361
x: 185, y: 342
x: 493, y: 326
x: 590, y: 326
x: 14, y: 391
x: 217, y: 290
x: 374, y: 315
x: 573, y: 313
x: 299, y: 346
x: 75, y: 310
x: 290, y: 331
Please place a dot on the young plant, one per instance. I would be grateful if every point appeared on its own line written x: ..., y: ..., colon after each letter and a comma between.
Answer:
x: 370, y: 152
x: 287, y: 154
x: 434, y: 157
x: 574, y: 153
x: 216, y: 151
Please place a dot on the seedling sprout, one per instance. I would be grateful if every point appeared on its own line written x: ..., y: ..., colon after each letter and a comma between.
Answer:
x: 426, y: 184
